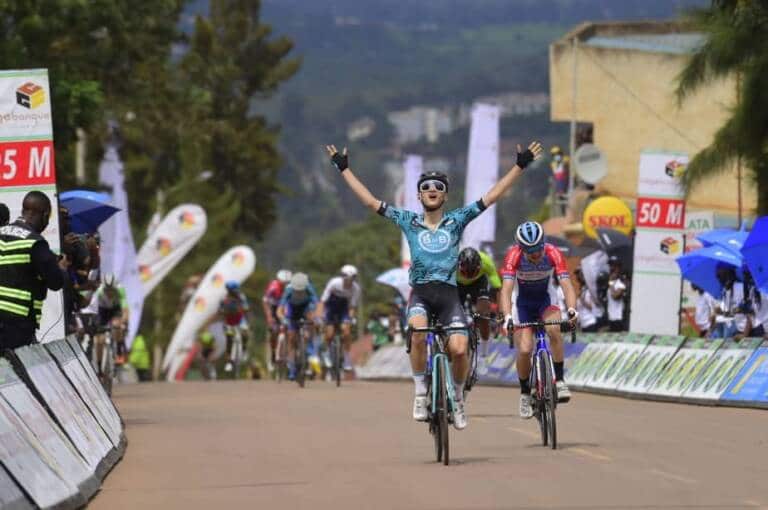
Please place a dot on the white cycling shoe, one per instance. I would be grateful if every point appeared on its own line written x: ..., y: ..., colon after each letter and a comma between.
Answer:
x: 228, y: 367
x: 459, y: 416
x: 420, y: 412
x: 563, y: 393
x: 526, y: 409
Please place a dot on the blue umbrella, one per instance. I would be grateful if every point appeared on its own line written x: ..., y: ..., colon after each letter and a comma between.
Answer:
x: 755, y: 252
x: 87, y: 209
x: 725, y: 237
x: 700, y: 267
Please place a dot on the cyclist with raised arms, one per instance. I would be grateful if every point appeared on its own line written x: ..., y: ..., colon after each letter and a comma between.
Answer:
x: 479, y: 284
x: 298, y: 302
x: 531, y: 264
x: 338, y: 306
x: 433, y: 238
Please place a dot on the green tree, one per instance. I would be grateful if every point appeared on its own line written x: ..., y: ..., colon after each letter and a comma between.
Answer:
x: 736, y: 46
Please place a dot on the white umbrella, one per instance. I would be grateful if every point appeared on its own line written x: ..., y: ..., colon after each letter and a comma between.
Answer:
x: 398, y: 279
x: 591, y: 266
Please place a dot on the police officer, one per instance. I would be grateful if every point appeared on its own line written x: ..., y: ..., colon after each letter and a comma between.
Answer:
x: 28, y: 268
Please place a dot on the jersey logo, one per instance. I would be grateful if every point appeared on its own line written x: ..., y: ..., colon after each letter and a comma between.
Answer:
x: 434, y: 242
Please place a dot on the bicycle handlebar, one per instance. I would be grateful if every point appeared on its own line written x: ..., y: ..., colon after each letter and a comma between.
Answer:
x: 541, y: 324
x: 437, y: 329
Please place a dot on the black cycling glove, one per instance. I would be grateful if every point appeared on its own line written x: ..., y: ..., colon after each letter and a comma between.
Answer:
x: 524, y: 158
x: 340, y: 161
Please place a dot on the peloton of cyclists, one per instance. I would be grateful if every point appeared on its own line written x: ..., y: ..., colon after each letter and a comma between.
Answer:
x: 298, y: 302
x: 531, y: 265
x: 338, y: 308
x: 110, y: 303
x: 433, y: 237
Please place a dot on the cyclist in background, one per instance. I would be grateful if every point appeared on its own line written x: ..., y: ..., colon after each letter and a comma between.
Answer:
x: 269, y: 303
x: 479, y: 284
x: 110, y: 303
x: 338, y: 307
x: 433, y: 238
x: 233, y: 309
x: 298, y: 302
x: 531, y: 264
x: 207, y: 348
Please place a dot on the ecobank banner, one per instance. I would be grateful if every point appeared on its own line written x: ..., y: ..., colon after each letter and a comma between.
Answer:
x: 27, y: 163
x: 482, y: 171
x: 649, y: 366
x: 729, y: 359
x: 236, y: 264
x: 169, y: 242
x: 617, y: 361
x: 687, y: 364
x: 751, y: 383
x: 658, y: 242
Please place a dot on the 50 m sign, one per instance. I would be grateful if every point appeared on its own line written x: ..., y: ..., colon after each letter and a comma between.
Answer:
x: 660, y: 213
x: 27, y: 163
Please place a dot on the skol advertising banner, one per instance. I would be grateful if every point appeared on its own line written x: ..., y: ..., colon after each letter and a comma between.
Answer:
x: 659, y: 240
x: 169, y: 242
x: 607, y: 212
x: 236, y: 264
x: 27, y: 163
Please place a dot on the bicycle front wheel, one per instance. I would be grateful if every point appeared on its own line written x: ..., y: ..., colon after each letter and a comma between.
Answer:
x: 338, y: 357
x: 442, y: 406
x: 550, y: 400
x: 301, y: 360
x: 109, y: 368
x: 538, y: 379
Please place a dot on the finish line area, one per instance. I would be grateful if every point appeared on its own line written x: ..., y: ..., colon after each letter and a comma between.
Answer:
x: 235, y: 443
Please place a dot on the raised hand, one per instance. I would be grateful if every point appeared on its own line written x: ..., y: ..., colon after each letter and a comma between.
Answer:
x: 340, y: 161
x: 532, y: 153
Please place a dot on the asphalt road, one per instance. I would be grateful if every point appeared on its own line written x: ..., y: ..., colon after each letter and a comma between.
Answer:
x: 256, y: 445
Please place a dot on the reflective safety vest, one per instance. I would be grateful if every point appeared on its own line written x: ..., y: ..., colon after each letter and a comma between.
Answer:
x: 22, y: 291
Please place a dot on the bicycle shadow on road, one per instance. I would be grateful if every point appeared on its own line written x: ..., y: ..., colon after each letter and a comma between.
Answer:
x: 566, y: 446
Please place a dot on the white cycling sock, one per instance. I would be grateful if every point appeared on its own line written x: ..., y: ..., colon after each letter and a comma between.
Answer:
x: 459, y: 390
x: 419, y: 384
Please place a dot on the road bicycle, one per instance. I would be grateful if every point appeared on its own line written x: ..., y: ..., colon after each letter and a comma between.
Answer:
x: 440, y: 385
x: 542, y: 379
x: 300, y: 353
x: 236, y: 350
x: 474, y: 335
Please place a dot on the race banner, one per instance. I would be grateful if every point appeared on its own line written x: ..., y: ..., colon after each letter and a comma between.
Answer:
x: 482, y: 172
x: 650, y: 364
x: 118, y: 251
x: 722, y: 369
x: 236, y: 264
x: 619, y: 360
x: 593, y: 354
x: 751, y: 383
x: 689, y: 361
x: 169, y: 242
x: 659, y: 240
x: 27, y: 163
x: 389, y: 362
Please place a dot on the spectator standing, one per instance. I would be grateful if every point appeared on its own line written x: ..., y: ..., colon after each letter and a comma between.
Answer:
x: 756, y: 305
x: 5, y: 215
x: 705, y: 311
x: 586, y: 305
x: 139, y: 358
x: 30, y: 268
x: 730, y: 319
x: 616, y: 290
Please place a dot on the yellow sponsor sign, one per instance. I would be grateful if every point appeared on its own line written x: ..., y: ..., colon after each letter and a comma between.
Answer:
x: 607, y: 212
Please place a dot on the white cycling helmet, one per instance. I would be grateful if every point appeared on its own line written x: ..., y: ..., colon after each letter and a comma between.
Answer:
x: 109, y: 280
x: 299, y: 282
x: 348, y: 271
x: 284, y: 276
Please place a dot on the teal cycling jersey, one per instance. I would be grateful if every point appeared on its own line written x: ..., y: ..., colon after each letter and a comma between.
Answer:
x: 434, y: 253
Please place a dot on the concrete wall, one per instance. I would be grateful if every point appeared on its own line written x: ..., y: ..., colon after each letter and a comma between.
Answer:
x: 628, y: 95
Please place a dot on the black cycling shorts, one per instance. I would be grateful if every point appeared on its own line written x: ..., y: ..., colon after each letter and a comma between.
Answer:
x: 475, y: 290
x: 107, y: 314
x: 438, y: 300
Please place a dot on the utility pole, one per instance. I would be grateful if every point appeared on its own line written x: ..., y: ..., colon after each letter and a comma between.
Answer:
x: 574, y: 91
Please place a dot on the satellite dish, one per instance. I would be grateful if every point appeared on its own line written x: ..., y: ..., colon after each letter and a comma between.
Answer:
x: 590, y: 164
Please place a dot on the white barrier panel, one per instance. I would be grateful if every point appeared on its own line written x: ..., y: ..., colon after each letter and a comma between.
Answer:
x: 11, y: 498
x: 90, y: 373
x: 74, y: 372
x: 68, y: 463
x: 689, y: 361
x: 650, y: 364
x: 25, y: 458
x: 594, y: 353
x: 722, y: 369
x: 389, y: 362
x: 622, y: 356
x: 61, y: 398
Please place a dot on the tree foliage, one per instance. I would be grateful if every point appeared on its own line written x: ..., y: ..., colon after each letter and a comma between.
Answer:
x: 737, y: 46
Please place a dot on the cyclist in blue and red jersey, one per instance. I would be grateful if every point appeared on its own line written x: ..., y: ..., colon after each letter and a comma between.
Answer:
x: 233, y: 310
x: 433, y: 238
x: 299, y: 301
x: 269, y: 303
x: 531, y: 265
